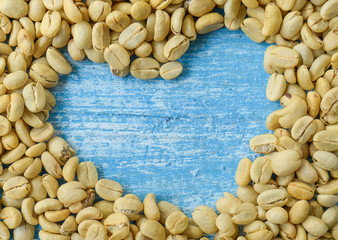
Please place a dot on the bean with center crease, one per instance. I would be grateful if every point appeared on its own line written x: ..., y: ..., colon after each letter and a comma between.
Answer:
x: 132, y: 36
x: 87, y: 174
x: 17, y: 187
x: 34, y: 96
x: 108, y: 190
x: 117, y: 57
x: 272, y: 198
x: 284, y: 57
x: 253, y: 29
x: 176, y: 47
x: 171, y: 70
x: 50, y: 24
x: 44, y: 74
x: 145, y: 68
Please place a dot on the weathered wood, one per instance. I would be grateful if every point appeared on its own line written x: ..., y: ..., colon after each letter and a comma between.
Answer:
x: 179, y: 139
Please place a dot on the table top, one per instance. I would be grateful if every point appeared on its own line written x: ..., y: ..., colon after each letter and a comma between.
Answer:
x: 180, y: 139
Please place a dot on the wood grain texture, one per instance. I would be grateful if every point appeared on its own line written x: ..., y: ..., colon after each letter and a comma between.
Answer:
x: 180, y: 139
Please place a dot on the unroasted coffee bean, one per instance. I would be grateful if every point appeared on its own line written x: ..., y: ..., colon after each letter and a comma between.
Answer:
x: 315, y: 226
x: 284, y: 57
x: 153, y: 230
x: 325, y: 160
x: 99, y: 10
x: 198, y: 8
x: 117, y: 57
x: 76, y: 188
x: 166, y: 209
x: 225, y: 225
x: 51, y: 165
x: 20, y: 166
x: 279, y: 166
x: 15, y: 80
x: 82, y: 35
x: 58, y: 61
x: 44, y: 74
x: 14, y: 8
x: 300, y: 190
x: 151, y: 210
x: 253, y: 29
x: 87, y: 174
x: 261, y: 170
x: 11, y: 217
x: 96, y: 231
x: 108, y: 190
x: 50, y: 24
x: 132, y: 36
x: 34, y: 96
x: 272, y: 20
x: 118, y: 225
x: 176, y: 47
x: 60, y: 150
x: 177, y: 222
x: 276, y: 87
x: 246, y: 213
x: 303, y: 129
x: 145, y: 68
x: 17, y: 187
x: 117, y: 20
x: 129, y: 206
x: 264, y: 143
x: 277, y: 215
x: 205, y: 218
x: 209, y: 22
x: 161, y: 25
x: 272, y: 198
x: 171, y: 70
x: 326, y: 140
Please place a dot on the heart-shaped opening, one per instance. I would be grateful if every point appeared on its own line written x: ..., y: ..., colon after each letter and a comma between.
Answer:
x: 181, y: 139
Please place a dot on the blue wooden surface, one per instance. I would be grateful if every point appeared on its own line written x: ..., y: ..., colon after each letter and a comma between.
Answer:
x: 180, y: 139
